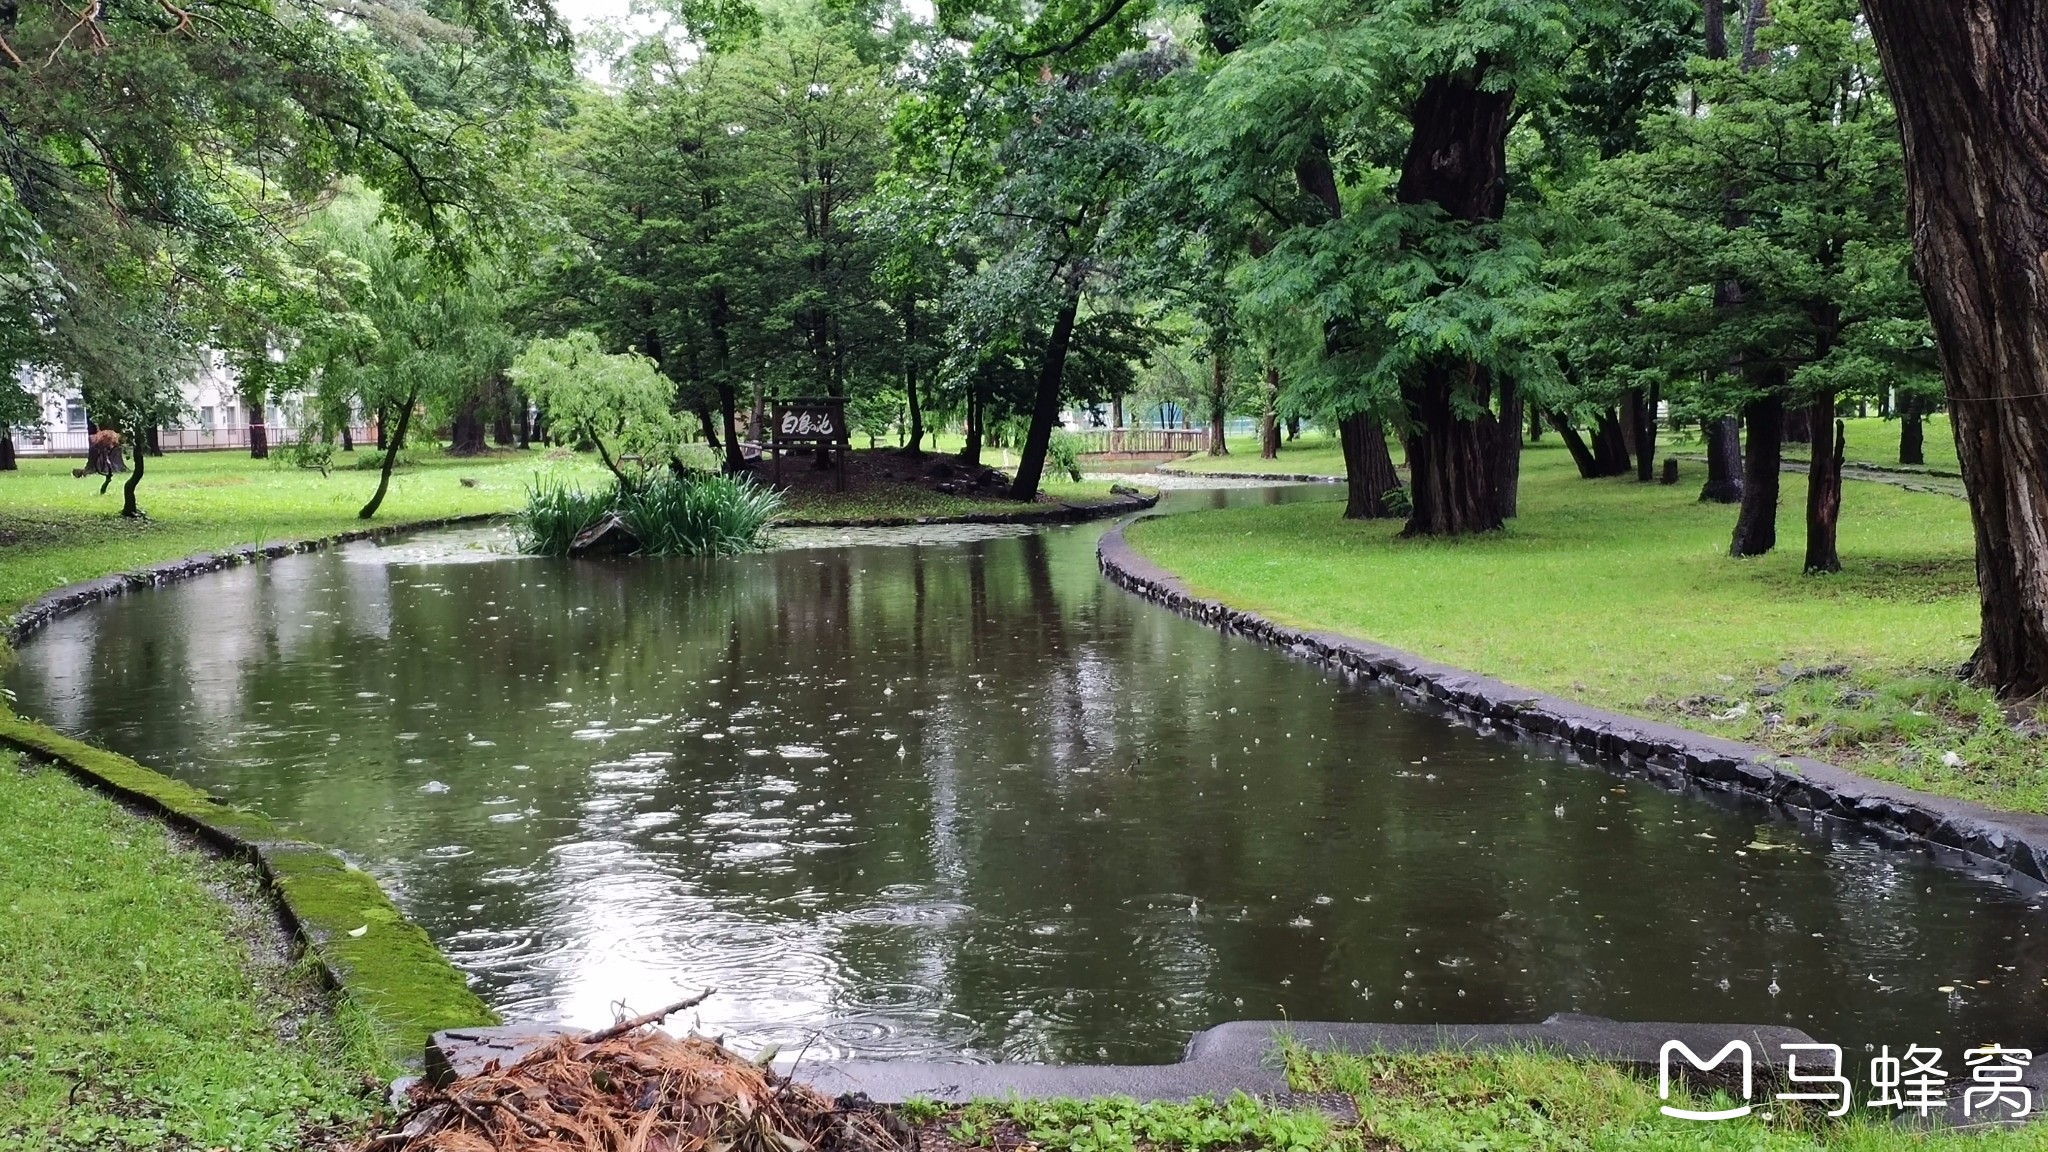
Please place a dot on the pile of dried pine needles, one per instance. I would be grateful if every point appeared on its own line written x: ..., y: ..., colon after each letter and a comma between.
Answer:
x: 629, y: 1088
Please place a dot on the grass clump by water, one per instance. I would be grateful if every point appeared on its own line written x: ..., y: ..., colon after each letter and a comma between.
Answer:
x: 146, y: 1001
x: 693, y: 514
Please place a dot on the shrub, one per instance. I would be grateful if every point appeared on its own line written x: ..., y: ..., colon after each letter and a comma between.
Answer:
x: 304, y: 453
x: 1063, y: 453
x: 696, y: 514
x: 553, y: 516
x: 374, y: 461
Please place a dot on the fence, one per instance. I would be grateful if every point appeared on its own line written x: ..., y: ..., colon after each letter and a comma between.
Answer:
x: 1132, y: 441
x: 73, y: 443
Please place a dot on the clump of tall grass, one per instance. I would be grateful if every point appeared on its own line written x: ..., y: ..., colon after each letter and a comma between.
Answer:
x: 554, y: 514
x: 697, y: 514
x: 694, y: 514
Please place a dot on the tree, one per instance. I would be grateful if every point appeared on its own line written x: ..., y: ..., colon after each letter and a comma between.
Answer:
x: 1972, y: 95
x: 619, y: 402
x: 425, y: 331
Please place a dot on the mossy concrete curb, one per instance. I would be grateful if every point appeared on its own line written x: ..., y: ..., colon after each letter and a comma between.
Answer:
x: 2015, y: 843
x: 72, y: 597
x: 383, y: 963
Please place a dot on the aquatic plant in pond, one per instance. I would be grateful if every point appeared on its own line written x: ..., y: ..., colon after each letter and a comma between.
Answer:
x: 693, y: 514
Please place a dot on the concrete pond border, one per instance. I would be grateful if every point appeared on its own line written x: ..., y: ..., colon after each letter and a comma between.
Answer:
x: 382, y: 963
x: 2014, y: 844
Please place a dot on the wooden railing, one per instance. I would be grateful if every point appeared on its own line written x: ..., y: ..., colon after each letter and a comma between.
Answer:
x: 1118, y: 441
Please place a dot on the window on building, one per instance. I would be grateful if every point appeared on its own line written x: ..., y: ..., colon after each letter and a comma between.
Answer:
x: 206, y: 417
x: 74, y: 414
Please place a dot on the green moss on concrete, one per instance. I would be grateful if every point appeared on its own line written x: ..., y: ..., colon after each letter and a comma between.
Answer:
x: 386, y: 967
x: 392, y: 971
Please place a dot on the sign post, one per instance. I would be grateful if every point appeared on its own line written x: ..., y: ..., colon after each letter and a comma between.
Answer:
x: 817, y: 421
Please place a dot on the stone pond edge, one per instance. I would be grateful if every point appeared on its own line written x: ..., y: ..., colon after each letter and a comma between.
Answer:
x: 2012, y: 841
x: 383, y: 964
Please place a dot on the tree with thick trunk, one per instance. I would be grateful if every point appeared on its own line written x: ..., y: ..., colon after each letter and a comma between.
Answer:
x: 1045, y: 411
x: 466, y: 438
x: 1456, y: 160
x: 1724, y: 461
x: 1824, y: 488
x: 1756, y: 524
x: 1970, y: 81
x: 7, y: 463
x: 259, y: 436
x: 1582, y: 454
x: 1368, y: 467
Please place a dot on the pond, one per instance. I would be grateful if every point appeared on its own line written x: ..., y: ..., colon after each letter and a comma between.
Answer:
x: 949, y: 793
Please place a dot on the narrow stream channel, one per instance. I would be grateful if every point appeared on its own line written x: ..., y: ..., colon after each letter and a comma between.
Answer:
x: 963, y: 798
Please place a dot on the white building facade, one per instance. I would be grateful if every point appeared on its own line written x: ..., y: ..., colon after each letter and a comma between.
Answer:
x: 212, y: 415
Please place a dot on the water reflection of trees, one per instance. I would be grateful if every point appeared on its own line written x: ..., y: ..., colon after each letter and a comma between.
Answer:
x: 1077, y: 769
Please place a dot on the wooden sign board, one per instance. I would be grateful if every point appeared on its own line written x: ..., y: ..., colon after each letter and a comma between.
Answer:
x: 810, y: 421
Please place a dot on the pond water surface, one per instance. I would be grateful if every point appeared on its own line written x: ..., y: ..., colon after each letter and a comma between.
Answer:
x: 952, y: 794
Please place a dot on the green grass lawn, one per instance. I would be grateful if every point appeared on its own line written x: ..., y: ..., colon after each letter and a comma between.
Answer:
x: 1621, y: 595
x: 1870, y: 440
x: 56, y: 529
x: 138, y: 1009
x: 1315, y: 454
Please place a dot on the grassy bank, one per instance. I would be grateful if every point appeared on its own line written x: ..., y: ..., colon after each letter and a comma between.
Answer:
x: 56, y: 529
x: 1621, y: 595
x: 145, y: 997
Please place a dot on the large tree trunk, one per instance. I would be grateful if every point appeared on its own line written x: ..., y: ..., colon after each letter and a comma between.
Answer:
x: 1452, y: 471
x: 1219, y: 391
x: 1507, y: 449
x: 467, y: 437
x: 1456, y: 160
x: 1824, y: 489
x: 970, y: 440
x: 1912, y: 432
x: 128, y: 507
x: 397, y: 445
x: 1642, y: 412
x: 1756, y: 525
x: 1724, y: 461
x: 7, y: 463
x: 1799, y: 426
x: 1610, y: 444
x: 259, y: 436
x: 1052, y: 371
x: 1970, y: 79
x: 1269, y: 421
x: 1368, y: 467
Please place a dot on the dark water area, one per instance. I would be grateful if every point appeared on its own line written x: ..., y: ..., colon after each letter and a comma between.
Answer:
x: 963, y: 798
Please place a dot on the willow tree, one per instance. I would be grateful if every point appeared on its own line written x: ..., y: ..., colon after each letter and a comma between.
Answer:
x: 1970, y: 80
